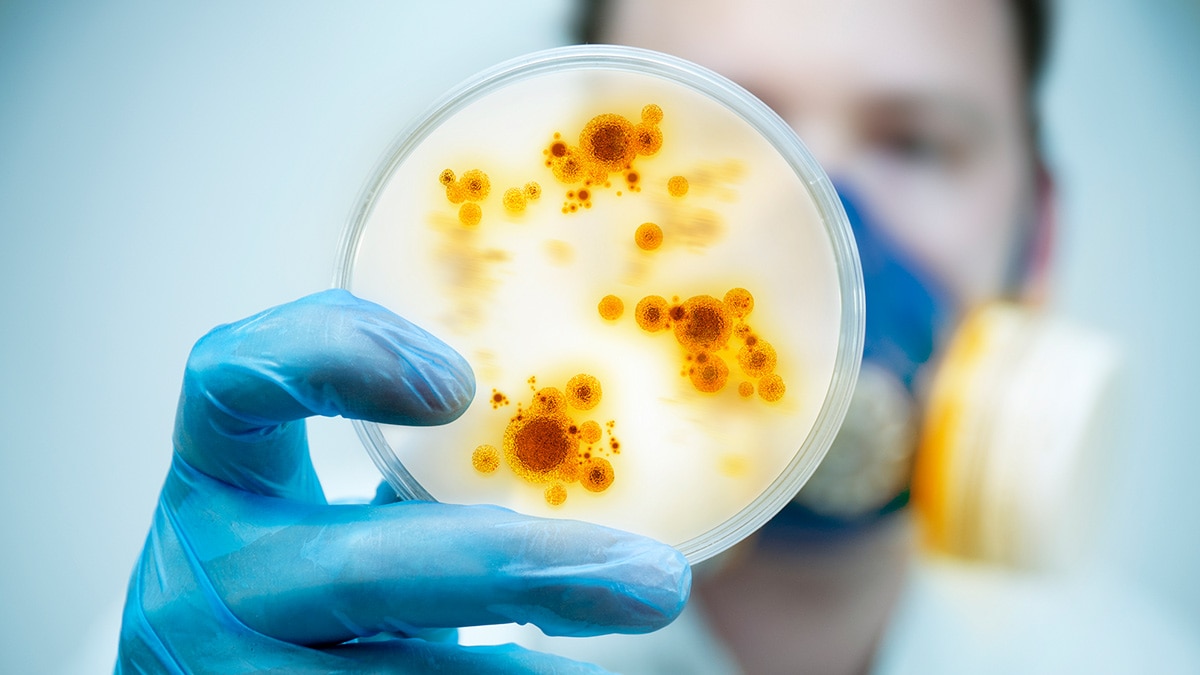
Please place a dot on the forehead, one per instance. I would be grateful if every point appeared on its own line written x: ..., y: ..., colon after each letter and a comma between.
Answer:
x: 823, y: 48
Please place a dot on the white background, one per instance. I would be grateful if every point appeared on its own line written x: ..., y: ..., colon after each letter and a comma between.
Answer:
x: 168, y: 167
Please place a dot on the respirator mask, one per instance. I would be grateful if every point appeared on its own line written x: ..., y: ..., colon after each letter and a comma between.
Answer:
x: 987, y: 418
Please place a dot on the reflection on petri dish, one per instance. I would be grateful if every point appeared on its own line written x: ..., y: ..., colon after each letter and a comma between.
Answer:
x: 653, y: 280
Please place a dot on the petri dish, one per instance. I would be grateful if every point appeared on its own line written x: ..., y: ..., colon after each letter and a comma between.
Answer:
x: 654, y: 281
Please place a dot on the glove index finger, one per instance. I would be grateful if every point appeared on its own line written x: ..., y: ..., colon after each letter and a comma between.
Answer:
x: 414, y: 566
x: 248, y: 383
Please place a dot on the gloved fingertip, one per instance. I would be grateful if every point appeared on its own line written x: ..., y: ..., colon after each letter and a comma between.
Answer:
x: 616, y: 582
x: 338, y: 354
x: 663, y: 585
x: 436, y: 382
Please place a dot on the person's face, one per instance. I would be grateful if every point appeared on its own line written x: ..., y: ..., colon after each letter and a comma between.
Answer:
x: 919, y: 104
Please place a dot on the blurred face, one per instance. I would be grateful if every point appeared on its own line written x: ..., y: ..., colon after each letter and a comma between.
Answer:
x: 916, y: 104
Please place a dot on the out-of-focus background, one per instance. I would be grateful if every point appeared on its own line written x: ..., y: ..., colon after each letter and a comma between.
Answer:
x: 167, y: 167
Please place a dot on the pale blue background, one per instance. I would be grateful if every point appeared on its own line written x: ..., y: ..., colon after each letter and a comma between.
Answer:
x: 167, y: 167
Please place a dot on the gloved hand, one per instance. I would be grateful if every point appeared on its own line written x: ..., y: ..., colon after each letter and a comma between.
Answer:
x: 247, y: 568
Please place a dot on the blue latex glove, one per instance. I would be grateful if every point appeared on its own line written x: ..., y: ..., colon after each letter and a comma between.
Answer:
x: 247, y: 568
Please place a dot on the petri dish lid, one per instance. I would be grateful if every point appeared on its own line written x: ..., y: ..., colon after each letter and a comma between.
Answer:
x: 653, y: 279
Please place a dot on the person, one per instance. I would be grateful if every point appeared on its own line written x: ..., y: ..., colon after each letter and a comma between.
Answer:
x: 923, y: 113
x: 921, y: 110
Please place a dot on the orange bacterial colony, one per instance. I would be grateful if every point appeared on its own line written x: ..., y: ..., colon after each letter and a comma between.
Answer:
x: 648, y: 236
x: 611, y: 307
x: 545, y: 444
x: 546, y: 441
x: 677, y: 186
x: 608, y: 144
x: 712, y: 332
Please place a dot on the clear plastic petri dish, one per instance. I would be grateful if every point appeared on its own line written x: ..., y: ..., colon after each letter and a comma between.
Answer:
x: 654, y: 281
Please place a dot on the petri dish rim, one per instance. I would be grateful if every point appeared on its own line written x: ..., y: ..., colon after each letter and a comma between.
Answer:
x: 759, y: 117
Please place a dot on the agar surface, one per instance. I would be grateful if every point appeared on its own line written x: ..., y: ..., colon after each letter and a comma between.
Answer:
x: 548, y: 441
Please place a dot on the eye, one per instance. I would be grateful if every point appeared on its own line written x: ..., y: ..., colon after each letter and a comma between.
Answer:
x: 914, y: 146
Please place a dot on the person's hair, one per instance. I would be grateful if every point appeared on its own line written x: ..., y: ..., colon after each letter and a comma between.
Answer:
x: 1032, y: 20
